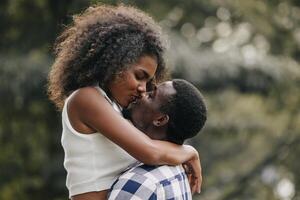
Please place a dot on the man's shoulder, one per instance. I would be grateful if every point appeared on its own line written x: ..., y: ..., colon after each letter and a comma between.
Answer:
x: 134, y: 184
x: 152, y: 182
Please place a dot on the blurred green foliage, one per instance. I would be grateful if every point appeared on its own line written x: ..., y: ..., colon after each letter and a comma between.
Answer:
x: 243, y: 55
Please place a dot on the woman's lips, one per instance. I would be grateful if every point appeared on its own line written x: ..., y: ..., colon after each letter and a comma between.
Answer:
x: 134, y: 103
x: 134, y: 99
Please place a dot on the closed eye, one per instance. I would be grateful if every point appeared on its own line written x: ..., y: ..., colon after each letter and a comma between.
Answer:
x: 150, y: 85
x: 140, y: 76
x: 152, y: 93
x: 149, y: 95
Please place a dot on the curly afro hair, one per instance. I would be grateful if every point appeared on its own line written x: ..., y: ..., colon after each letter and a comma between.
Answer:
x: 187, y: 112
x: 100, y: 44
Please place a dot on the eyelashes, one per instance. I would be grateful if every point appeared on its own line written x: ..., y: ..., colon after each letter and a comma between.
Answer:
x: 150, y: 95
x: 152, y: 92
x: 150, y: 86
x: 139, y: 76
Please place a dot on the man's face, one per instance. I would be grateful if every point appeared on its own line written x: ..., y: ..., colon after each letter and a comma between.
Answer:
x: 145, y: 110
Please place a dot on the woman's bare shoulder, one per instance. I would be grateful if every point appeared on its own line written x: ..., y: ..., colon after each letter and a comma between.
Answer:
x: 86, y: 102
x: 82, y: 104
x: 86, y: 91
x: 86, y: 96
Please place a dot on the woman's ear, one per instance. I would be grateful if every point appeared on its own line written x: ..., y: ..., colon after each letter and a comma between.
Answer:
x: 161, y: 120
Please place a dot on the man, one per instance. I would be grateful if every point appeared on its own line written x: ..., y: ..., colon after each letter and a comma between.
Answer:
x: 174, y: 111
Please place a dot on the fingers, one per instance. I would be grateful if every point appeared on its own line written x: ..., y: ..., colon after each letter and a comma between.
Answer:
x: 194, y: 173
x: 198, y: 175
x: 193, y: 183
x: 199, y: 181
x: 188, y: 171
x: 196, y: 184
x: 190, y: 178
x: 199, y: 184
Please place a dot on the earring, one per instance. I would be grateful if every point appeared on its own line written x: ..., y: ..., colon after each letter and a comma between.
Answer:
x: 156, y: 123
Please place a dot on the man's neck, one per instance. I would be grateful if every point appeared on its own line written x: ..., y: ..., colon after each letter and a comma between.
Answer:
x: 156, y: 133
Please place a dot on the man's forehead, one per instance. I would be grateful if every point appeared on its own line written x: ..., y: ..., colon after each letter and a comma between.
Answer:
x: 165, y: 84
x: 166, y: 88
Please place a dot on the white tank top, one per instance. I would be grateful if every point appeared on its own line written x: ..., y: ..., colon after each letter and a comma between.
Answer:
x: 92, y: 161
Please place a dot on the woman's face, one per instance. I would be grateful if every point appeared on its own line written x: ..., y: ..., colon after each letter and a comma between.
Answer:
x: 131, y: 83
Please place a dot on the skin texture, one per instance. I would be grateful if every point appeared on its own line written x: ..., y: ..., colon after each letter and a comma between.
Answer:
x: 145, y: 114
x: 131, y: 83
x: 95, y: 114
x: 100, y: 46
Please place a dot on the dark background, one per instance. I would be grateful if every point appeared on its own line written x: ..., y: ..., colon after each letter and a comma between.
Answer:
x: 243, y: 55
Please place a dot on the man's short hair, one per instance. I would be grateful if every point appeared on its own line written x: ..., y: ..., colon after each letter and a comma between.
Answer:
x: 186, y: 110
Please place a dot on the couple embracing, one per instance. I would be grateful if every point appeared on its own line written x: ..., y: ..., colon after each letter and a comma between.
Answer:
x: 123, y: 127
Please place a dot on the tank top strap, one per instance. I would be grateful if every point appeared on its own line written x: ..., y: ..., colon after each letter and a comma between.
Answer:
x: 67, y: 100
x: 115, y: 105
x: 104, y: 94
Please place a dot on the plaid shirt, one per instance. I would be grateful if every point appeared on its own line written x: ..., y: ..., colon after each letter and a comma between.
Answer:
x: 152, y: 182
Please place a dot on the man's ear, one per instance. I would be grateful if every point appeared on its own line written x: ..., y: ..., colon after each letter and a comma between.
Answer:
x: 161, y: 120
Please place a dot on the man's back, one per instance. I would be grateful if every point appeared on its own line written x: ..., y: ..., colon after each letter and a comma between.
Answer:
x: 152, y: 182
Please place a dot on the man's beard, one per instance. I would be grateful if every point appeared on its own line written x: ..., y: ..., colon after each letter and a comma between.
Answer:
x: 126, y: 113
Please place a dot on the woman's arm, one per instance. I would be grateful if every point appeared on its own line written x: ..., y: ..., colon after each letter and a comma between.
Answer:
x: 92, y: 109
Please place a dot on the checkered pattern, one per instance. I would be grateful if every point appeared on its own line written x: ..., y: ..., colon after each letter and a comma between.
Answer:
x: 152, y: 182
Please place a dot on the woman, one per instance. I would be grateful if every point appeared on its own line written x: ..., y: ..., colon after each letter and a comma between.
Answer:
x: 104, y: 61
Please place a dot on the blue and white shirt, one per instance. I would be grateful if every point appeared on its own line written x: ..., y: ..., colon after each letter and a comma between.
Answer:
x: 152, y: 182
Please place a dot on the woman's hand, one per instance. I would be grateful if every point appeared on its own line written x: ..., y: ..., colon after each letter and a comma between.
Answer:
x: 194, y: 172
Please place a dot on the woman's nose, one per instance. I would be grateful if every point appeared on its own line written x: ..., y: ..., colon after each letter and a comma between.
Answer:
x: 142, y: 87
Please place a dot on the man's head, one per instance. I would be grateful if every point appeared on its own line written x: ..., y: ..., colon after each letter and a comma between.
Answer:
x: 174, y: 111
